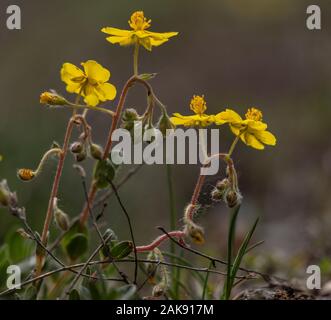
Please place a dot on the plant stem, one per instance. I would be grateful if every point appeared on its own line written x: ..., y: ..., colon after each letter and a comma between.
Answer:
x: 233, y: 145
x: 115, y: 120
x: 173, y: 213
x: 135, y: 58
x: 205, y: 285
x: 49, y: 214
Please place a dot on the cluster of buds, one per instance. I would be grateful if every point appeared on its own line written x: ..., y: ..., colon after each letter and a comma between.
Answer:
x: 227, y: 190
x: 80, y: 149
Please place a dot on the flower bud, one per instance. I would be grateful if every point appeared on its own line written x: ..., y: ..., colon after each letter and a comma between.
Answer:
x: 52, y: 99
x: 216, y: 195
x: 130, y: 115
x: 23, y: 233
x: 128, y: 119
x: 61, y: 218
x: 158, y: 290
x: 96, y: 151
x: 165, y: 124
x: 232, y: 198
x: 26, y: 174
x: 223, y: 185
x: 81, y: 156
x: 195, y: 232
x: 5, y: 194
x: 76, y: 147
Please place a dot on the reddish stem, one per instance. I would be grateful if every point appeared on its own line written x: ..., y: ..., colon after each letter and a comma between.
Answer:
x: 175, y: 234
x: 55, y: 188
x: 93, y: 189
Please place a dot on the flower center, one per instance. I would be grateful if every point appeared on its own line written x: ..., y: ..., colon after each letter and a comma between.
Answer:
x: 198, y: 104
x: 138, y: 21
x: 254, y: 114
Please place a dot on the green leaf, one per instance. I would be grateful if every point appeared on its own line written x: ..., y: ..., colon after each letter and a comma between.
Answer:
x: 239, y: 257
x: 104, y: 171
x: 232, y: 231
x: 74, y: 229
x: 77, y: 246
x: 121, y: 250
x: 19, y: 248
x: 74, y: 295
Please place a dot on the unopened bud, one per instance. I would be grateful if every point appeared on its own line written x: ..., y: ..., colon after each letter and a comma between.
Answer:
x: 26, y: 174
x: 232, y: 198
x: 130, y: 115
x: 52, y: 99
x: 5, y: 194
x: 216, y: 195
x: 61, y: 218
x: 158, y: 290
x: 96, y: 151
x: 223, y: 185
x: 81, y: 156
x: 128, y: 119
x: 76, y: 147
x: 165, y: 124
x: 195, y: 232
x: 23, y: 233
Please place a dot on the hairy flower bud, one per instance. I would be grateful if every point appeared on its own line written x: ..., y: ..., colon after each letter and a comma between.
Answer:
x: 61, y: 218
x: 26, y: 174
x: 52, y: 99
x: 195, y: 232
x: 128, y: 119
x: 81, y: 156
x: 223, y: 185
x: 216, y: 195
x: 76, y: 147
x: 232, y: 198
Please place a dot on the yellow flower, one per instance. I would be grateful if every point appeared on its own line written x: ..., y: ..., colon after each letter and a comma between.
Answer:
x: 138, y: 34
x: 198, y: 106
x: 91, y: 83
x: 252, y: 130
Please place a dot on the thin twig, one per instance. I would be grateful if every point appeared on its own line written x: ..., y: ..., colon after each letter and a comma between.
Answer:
x: 130, y: 227
x: 110, y: 192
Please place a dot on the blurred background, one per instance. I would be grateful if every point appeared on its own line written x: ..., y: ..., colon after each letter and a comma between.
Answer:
x: 238, y: 54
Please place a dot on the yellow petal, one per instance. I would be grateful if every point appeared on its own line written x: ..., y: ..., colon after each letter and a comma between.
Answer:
x: 122, y: 41
x: 161, y: 36
x: 74, y: 87
x: 95, y: 71
x: 255, y: 125
x: 235, y: 129
x: 106, y: 91
x: 266, y: 137
x: 116, y: 32
x: 228, y: 116
x: 253, y: 142
x: 91, y: 100
x: 69, y: 71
